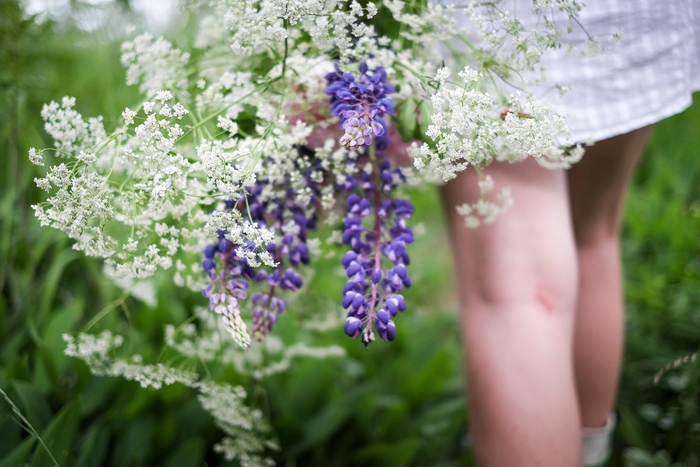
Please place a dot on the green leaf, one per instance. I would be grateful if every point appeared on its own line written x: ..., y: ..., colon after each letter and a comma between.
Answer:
x: 408, y: 119
x: 59, y: 438
x: 426, y: 112
x: 431, y: 378
x: 62, y: 321
x: 4, y: 321
x: 50, y: 284
x: 93, y: 451
x: 328, y: 421
x: 188, y: 454
x: 134, y: 447
x: 632, y: 429
x: 36, y: 409
x: 635, y: 457
x: 10, y: 428
x: 96, y: 392
x: 398, y: 454
x: 19, y: 455
x: 12, y: 344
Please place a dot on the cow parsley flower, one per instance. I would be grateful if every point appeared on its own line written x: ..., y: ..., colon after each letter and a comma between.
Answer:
x: 246, y: 431
x: 35, y: 157
x: 128, y: 116
x: 154, y: 63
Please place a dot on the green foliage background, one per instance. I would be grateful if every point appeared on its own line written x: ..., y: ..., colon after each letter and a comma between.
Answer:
x: 400, y: 404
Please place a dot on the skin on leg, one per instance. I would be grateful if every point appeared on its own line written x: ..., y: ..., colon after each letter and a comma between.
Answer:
x: 517, y: 284
x: 597, y: 187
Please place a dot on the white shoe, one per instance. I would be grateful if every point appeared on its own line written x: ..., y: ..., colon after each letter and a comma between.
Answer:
x: 597, y: 443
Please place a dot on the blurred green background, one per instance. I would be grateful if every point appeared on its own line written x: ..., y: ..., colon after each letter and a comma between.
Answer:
x: 392, y: 405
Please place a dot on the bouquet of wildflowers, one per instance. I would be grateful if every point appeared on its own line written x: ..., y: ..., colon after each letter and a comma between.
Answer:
x: 287, y: 114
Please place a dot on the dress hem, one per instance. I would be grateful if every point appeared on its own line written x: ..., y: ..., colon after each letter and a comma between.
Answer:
x: 679, y: 105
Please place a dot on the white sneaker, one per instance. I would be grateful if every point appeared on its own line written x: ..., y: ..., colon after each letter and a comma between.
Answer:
x: 597, y: 443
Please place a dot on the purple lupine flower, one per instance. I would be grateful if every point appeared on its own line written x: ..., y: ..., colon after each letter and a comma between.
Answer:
x: 279, y: 213
x: 266, y: 309
x: 374, y: 227
x: 360, y: 103
x: 377, y: 260
x: 375, y: 223
x: 229, y: 282
x: 372, y: 293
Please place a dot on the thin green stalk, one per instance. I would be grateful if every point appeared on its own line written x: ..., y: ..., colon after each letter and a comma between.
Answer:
x: 28, y: 426
x: 106, y: 310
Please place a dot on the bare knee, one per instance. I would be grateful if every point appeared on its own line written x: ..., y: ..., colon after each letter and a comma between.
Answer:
x: 547, y: 288
x: 527, y: 257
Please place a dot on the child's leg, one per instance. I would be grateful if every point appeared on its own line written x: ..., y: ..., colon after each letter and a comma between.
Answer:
x: 597, y: 187
x: 517, y: 284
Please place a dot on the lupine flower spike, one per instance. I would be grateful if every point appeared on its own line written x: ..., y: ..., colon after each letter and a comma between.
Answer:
x: 288, y: 214
x: 375, y: 223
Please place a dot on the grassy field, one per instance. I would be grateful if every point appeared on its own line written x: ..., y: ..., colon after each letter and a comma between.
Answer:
x: 400, y: 404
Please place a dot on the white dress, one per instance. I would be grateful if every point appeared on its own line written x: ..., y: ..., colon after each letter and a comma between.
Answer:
x: 647, y: 76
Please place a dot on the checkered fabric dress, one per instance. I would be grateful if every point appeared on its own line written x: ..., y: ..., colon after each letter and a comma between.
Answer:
x: 647, y: 76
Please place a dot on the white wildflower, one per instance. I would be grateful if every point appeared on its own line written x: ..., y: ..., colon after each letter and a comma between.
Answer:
x: 154, y: 63
x: 68, y: 129
x: 485, y: 210
x: 227, y: 125
x: 442, y: 74
x: 35, y: 157
x: 244, y: 427
x: 163, y: 96
x: 128, y: 116
x: 179, y: 111
x: 43, y: 183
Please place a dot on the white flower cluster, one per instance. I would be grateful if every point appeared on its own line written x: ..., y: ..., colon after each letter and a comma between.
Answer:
x: 95, y: 351
x: 515, y: 43
x: 224, y: 166
x: 86, y: 202
x: 155, y: 63
x: 80, y: 198
x: 241, y: 424
x: 71, y: 134
x: 207, y: 341
x: 467, y: 128
x: 228, y: 92
x: 485, y: 210
x: 244, y: 427
x: 538, y: 130
x: 138, y: 202
x: 436, y: 23
x: 265, y: 24
x: 464, y: 126
x: 35, y: 157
